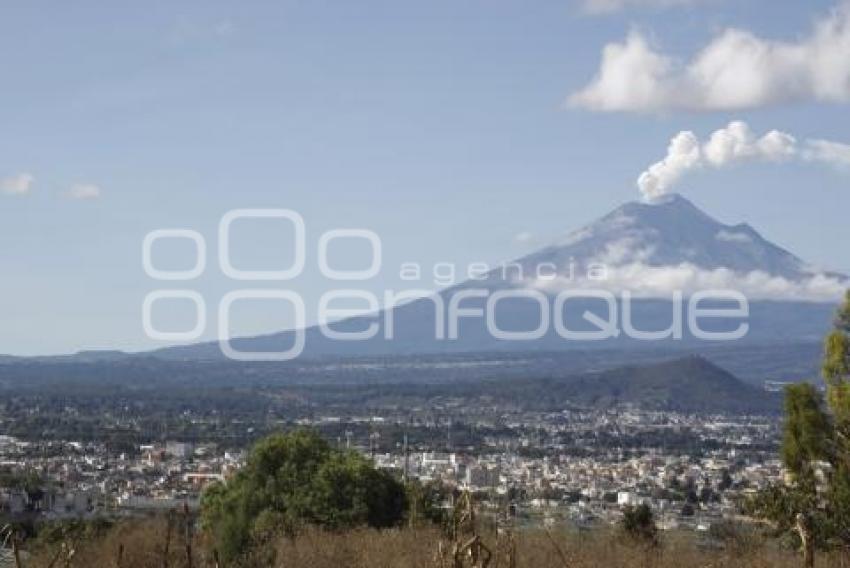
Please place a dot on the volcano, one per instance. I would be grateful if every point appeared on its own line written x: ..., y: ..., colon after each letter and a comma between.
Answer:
x: 673, y: 232
x: 651, y: 250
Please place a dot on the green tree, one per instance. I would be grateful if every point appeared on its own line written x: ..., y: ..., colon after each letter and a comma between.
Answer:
x: 836, y: 373
x: 639, y: 524
x: 815, y: 434
x: 807, y: 433
x: 798, y: 508
x: 293, y: 480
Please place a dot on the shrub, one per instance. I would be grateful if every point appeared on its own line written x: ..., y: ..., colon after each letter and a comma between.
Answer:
x: 639, y: 523
x: 295, y: 480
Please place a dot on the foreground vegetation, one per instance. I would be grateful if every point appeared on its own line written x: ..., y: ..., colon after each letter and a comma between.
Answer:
x: 815, y: 503
x: 146, y: 544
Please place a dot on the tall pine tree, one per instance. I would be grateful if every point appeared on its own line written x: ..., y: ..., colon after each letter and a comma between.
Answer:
x: 836, y: 373
x: 816, y: 438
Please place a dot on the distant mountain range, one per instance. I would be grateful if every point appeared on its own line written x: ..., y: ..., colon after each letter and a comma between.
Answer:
x: 646, y: 247
x: 649, y: 249
x: 541, y: 382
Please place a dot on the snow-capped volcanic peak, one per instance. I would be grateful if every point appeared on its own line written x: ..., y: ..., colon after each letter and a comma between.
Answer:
x: 672, y: 244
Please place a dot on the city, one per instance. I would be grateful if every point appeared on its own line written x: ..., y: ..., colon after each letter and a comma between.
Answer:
x: 574, y: 468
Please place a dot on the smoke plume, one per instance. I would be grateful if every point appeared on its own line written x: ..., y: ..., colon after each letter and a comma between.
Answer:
x: 735, y: 143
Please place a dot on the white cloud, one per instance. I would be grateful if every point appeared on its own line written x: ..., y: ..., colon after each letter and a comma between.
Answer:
x: 523, y: 237
x: 632, y: 76
x: 833, y: 153
x: 645, y: 281
x: 84, y: 191
x: 626, y: 266
x: 732, y: 144
x: 19, y: 184
x: 736, y: 70
x: 616, y: 252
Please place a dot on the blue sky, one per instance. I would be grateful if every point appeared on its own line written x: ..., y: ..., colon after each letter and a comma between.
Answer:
x: 441, y: 125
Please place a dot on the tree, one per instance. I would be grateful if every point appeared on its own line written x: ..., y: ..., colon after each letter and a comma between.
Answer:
x: 639, y: 523
x: 726, y: 481
x: 807, y: 434
x: 293, y: 480
x: 796, y: 508
x: 836, y: 373
x: 816, y: 435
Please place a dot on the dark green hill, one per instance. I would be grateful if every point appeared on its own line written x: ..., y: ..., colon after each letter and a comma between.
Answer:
x: 686, y: 384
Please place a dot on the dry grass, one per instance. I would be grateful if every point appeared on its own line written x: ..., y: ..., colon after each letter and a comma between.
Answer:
x: 360, y: 548
x: 138, y: 544
x: 144, y: 546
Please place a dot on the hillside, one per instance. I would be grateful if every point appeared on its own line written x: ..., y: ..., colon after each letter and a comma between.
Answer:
x: 688, y: 384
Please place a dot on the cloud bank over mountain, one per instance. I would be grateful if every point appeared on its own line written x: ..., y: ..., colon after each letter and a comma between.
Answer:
x: 736, y: 70
x: 643, y: 281
x: 655, y: 250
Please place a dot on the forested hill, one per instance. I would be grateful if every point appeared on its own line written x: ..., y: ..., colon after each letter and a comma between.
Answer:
x: 688, y: 384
